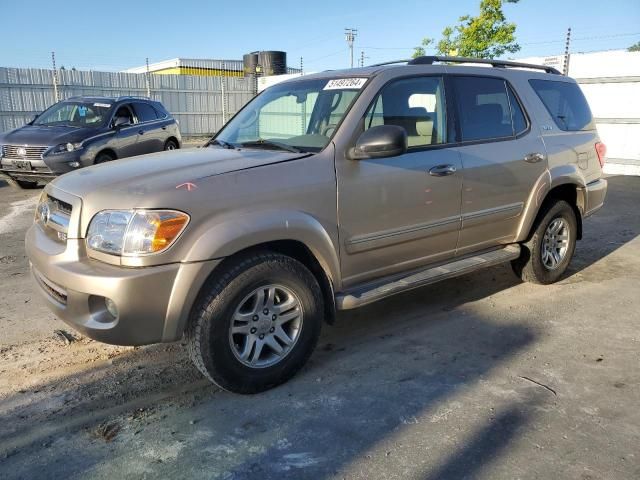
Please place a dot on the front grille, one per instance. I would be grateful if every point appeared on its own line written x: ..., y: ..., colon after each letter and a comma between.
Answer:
x: 54, y: 291
x: 61, y: 206
x: 54, y: 218
x: 14, y: 152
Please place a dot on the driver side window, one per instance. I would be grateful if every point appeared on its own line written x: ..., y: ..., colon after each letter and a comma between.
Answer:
x: 415, y: 104
x: 125, y: 111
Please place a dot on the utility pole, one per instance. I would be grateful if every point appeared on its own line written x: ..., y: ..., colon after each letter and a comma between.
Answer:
x: 148, y: 80
x: 301, y: 67
x: 565, y: 67
x: 55, y: 77
x: 350, y: 35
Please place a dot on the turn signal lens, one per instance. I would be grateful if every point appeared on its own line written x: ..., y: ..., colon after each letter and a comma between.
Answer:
x: 151, y: 231
x: 135, y: 232
x: 601, y: 150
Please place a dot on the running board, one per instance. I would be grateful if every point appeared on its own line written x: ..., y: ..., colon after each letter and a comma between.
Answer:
x: 373, y: 292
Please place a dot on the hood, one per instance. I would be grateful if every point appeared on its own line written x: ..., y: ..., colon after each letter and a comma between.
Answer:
x: 46, y: 136
x: 164, y: 171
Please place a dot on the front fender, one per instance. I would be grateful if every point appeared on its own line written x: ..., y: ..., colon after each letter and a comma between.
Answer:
x: 222, y: 237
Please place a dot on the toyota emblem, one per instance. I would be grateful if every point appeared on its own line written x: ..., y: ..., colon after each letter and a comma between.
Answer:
x: 21, y: 151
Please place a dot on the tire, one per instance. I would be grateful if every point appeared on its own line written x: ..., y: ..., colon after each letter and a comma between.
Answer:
x: 536, y: 262
x: 217, y: 352
x: 171, y: 145
x: 23, y: 184
x: 103, y: 157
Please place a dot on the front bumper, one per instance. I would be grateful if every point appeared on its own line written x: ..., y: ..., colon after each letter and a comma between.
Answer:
x: 153, y: 302
x: 45, y: 169
x: 595, y: 193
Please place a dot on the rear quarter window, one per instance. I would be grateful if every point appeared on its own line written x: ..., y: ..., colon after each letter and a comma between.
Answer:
x: 566, y: 103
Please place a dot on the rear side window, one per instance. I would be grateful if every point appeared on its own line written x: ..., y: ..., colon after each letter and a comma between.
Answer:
x: 144, y: 112
x: 517, y: 115
x: 160, y: 112
x: 487, y: 109
x: 566, y: 104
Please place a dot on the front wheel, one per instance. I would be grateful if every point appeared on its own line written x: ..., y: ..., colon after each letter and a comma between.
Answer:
x: 257, y: 323
x: 24, y: 184
x: 548, y: 252
x: 171, y: 145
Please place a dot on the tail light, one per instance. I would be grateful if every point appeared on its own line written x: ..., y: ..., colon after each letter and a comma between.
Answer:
x: 601, y: 151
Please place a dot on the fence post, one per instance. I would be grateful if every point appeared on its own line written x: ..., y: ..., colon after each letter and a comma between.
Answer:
x: 55, y: 77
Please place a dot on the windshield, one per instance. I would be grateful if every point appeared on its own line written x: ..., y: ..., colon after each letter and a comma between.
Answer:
x: 75, y: 114
x: 296, y: 116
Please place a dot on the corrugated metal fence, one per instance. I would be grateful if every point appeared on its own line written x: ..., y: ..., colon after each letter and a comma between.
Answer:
x: 196, y: 101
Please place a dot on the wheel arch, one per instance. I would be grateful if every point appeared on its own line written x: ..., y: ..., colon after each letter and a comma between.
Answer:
x: 172, y: 139
x: 568, y: 190
x: 109, y: 151
x: 293, y: 233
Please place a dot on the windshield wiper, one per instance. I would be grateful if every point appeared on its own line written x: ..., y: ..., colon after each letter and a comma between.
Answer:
x: 270, y: 143
x: 222, y: 143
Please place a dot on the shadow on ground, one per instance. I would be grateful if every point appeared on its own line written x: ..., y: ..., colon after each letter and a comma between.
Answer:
x: 378, y: 372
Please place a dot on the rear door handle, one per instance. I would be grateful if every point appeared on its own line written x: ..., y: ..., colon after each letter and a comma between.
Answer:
x: 141, y: 132
x: 534, y: 157
x: 442, y: 170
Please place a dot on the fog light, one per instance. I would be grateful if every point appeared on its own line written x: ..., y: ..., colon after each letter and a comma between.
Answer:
x: 74, y: 164
x: 111, y: 307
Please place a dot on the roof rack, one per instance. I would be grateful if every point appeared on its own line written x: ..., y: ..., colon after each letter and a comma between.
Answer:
x: 429, y: 60
x: 125, y: 97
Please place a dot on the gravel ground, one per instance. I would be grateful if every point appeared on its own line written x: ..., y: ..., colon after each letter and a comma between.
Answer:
x: 477, y: 377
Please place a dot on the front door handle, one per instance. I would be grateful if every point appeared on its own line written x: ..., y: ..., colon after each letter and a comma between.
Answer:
x: 141, y: 132
x: 534, y: 157
x: 442, y: 170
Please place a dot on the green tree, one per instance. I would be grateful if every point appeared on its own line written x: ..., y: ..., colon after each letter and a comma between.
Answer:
x: 634, y: 48
x: 487, y: 35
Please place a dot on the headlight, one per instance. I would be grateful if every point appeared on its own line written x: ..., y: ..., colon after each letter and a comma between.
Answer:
x: 135, y: 232
x: 66, y: 147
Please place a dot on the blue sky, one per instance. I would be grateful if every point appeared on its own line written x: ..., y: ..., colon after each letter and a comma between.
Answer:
x: 86, y: 34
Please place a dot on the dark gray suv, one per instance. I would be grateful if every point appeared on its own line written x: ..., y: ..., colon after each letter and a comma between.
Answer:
x: 83, y: 131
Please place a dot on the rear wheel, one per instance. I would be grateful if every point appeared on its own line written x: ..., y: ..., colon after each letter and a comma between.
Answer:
x: 171, y: 145
x: 548, y: 252
x: 257, y: 323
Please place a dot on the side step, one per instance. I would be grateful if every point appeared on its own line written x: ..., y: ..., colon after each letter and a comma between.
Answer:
x: 377, y: 291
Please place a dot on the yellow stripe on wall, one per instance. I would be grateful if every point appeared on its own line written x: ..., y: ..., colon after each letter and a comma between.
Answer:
x: 201, y: 71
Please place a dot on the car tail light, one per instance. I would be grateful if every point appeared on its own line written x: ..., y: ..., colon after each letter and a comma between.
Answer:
x: 601, y: 150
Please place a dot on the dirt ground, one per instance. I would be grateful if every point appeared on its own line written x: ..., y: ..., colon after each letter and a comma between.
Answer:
x: 478, y: 377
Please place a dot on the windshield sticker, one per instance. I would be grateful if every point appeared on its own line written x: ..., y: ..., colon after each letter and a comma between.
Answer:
x: 104, y: 105
x: 345, y: 83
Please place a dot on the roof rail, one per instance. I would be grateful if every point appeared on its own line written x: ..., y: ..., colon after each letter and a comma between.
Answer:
x: 125, y: 97
x: 429, y: 60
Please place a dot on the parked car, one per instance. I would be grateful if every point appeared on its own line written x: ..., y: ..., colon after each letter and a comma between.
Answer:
x: 83, y: 131
x: 326, y: 192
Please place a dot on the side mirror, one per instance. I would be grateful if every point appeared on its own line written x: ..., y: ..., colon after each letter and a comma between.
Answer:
x: 120, y: 122
x: 380, y: 142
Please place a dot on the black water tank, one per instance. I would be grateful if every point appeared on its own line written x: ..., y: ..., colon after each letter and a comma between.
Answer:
x: 250, y: 61
x: 272, y: 62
